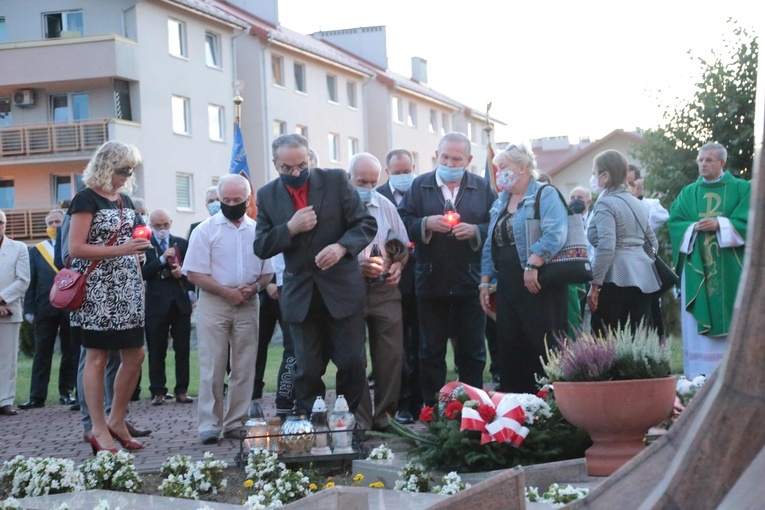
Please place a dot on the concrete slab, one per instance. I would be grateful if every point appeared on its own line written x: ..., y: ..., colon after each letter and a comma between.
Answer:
x: 353, y: 498
x: 125, y: 501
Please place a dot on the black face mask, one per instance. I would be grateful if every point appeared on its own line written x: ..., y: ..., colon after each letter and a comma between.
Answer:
x: 233, y: 212
x: 295, y: 181
x: 577, y: 206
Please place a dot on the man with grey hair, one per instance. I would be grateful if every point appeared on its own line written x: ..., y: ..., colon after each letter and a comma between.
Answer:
x: 448, y: 252
x: 221, y: 263
x: 317, y: 220
x: 382, y: 274
x: 707, y: 227
x: 49, y: 322
x: 211, y: 203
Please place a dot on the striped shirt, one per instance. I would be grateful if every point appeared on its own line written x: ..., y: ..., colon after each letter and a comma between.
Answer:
x: 388, y: 223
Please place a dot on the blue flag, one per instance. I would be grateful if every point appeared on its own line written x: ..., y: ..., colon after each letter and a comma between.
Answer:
x: 238, y: 156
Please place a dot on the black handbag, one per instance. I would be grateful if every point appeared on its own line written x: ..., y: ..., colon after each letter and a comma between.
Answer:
x: 571, y: 264
x: 665, y: 274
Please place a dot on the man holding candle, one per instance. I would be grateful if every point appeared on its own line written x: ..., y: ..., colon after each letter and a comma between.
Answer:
x: 448, y: 265
x: 221, y: 263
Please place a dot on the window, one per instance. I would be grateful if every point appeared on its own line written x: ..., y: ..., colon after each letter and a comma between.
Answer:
x: 353, y: 146
x: 351, y: 86
x: 280, y: 128
x: 181, y: 120
x: 62, y: 24
x: 277, y: 69
x: 398, y: 110
x: 69, y: 107
x: 7, y: 194
x: 212, y: 50
x: 433, y: 126
x: 299, y: 77
x: 184, y: 191
x: 2, y: 30
x: 176, y: 38
x: 62, y: 188
x: 332, y: 88
x: 302, y: 130
x: 334, y: 147
x: 412, y: 117
x: 215, y: 122
x: 444, y: 123
x: 122, y: 107
x: 5, y: 111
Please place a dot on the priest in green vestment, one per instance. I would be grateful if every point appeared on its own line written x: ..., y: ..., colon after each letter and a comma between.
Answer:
x: 707, y: 226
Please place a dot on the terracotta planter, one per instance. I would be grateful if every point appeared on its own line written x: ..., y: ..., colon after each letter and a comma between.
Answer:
x: 616, y: 415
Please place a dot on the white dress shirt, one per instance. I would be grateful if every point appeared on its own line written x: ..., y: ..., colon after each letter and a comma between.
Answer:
x: 388, y: 221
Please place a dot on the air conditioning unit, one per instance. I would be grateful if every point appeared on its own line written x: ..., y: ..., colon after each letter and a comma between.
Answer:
x: 25, y: 97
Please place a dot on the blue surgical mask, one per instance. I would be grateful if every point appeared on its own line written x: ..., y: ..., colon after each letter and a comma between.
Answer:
x: 295, y: 181
x: 366, y: 194
x: 213, y: 207
x: 449, y: 174
x: 402, y: 182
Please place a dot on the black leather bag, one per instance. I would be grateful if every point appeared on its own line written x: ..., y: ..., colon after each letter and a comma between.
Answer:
x: 571, y: 264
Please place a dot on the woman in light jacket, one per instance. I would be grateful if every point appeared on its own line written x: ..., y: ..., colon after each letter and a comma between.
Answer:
x: 623, y: 272
x: 526, y: 312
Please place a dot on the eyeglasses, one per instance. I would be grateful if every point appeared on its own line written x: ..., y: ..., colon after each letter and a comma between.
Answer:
x: 287, y: 169
x: 124, y: 172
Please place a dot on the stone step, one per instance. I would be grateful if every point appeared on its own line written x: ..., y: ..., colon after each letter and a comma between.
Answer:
x: 125, y: 501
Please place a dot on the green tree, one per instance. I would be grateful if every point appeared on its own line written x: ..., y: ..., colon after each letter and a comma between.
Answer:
x: 721, y: 110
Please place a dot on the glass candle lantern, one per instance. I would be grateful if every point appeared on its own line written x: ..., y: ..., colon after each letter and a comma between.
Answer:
x: 321, y: 440
x: 341, y: 422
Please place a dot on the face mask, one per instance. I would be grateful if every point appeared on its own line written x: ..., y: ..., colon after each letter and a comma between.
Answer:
x: 596, y: 188
x: 402, y: 182
x: 162, y: 234
x: 449, y: 174
x: 51, y: 231
x: 213, y: 207
x: 576, y: 206
x: 234, y: 212
x: 366, y: 194
x: 294, y: 181
x: 506, y: 179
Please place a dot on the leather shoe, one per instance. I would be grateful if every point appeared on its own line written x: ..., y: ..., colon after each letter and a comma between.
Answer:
x: 235, y: 433
x: 66, y: 399
x: 404, y: 417
x: 135, y: 431
x: 32, y: 403
x: 8, y: 411
x: 183, y: 398
x: 158, y: 400
x: 75, y: 407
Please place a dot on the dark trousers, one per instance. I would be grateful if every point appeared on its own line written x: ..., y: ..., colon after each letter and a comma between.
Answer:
x: 321, y: 337
x: 491, y: 344
x: 46, y: 330
x: 158, y: 327
x: 468, y: 330
x: 410, y: 398
x: 269, y: 316
x: 619, y: 306
x: 524, y: 320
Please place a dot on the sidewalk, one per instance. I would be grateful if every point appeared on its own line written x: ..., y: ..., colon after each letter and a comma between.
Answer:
x: 55, y: 431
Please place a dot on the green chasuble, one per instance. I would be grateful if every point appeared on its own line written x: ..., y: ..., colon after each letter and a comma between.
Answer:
x: 712, y: 273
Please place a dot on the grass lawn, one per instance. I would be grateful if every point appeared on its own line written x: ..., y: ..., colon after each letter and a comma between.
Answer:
x: 272, y: 368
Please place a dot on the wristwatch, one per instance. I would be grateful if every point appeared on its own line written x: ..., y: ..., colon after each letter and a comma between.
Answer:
x: 531, y: 267
x: 483, y: 285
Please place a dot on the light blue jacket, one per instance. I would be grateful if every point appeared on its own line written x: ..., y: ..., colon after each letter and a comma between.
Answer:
x: 554, y: 223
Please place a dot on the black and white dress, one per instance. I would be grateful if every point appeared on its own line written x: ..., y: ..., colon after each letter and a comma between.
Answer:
x: 112, y: 315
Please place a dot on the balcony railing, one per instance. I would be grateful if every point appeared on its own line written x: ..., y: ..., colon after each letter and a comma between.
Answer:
x: 53, y: 138
x: 26, y: 224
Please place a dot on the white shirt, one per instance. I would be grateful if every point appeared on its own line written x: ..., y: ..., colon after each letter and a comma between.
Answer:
x: 388, y: 221
x: 397, y: 195
x: 448, y: 194
x: 657, y: 215
x: 219, y: 249
x: 277, y: 262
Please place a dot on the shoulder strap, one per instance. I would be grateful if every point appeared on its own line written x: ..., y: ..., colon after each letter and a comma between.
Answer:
x: 645, y: 234
x: 539, y: 196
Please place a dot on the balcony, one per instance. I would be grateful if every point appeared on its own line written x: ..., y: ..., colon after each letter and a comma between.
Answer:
x: 53, y: 139
x: 26, y: 224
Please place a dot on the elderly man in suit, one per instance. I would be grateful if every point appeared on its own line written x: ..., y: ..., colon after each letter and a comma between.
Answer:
x: 317, y: 220
x: 14, y: 280
x: 49, y: 323
x: 168, y: 308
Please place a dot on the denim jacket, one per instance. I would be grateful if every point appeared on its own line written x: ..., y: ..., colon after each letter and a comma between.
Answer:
x: 554, y: 223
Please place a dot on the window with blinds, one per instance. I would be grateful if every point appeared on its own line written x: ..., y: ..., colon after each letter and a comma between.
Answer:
x: 184, y: 191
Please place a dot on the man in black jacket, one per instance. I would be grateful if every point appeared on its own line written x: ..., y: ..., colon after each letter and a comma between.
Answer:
x: 49, y: 322
x: 168, y: 308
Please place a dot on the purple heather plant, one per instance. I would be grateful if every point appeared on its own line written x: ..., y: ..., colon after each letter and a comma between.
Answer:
x: 586, y: 360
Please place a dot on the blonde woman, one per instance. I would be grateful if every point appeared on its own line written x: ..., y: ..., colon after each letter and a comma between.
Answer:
x: 112, y: 315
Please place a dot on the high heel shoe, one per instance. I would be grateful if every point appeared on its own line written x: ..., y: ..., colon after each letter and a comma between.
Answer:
x: 128, y: 444
x: 97, y: 447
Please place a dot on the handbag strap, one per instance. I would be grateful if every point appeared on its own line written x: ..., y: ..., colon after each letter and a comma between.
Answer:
x: 539, y: 196
x: 111, y: 241
x: 645, y: 234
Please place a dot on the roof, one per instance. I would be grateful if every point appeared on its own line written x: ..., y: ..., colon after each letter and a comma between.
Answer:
x: 552, y: 162
x: 208, y: 8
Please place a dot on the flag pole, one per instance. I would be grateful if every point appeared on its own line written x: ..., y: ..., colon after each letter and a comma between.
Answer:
x: 489, y: 152
x: 238, y: 100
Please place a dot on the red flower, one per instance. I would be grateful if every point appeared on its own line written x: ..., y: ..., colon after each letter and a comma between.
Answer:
x: 487, y: 412
x: 543, y: 393
x: 452, y: 408
x: 426, y: 415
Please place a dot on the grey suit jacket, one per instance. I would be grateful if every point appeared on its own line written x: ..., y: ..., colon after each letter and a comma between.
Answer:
x: 14, y: 276
x: 342, y: 218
